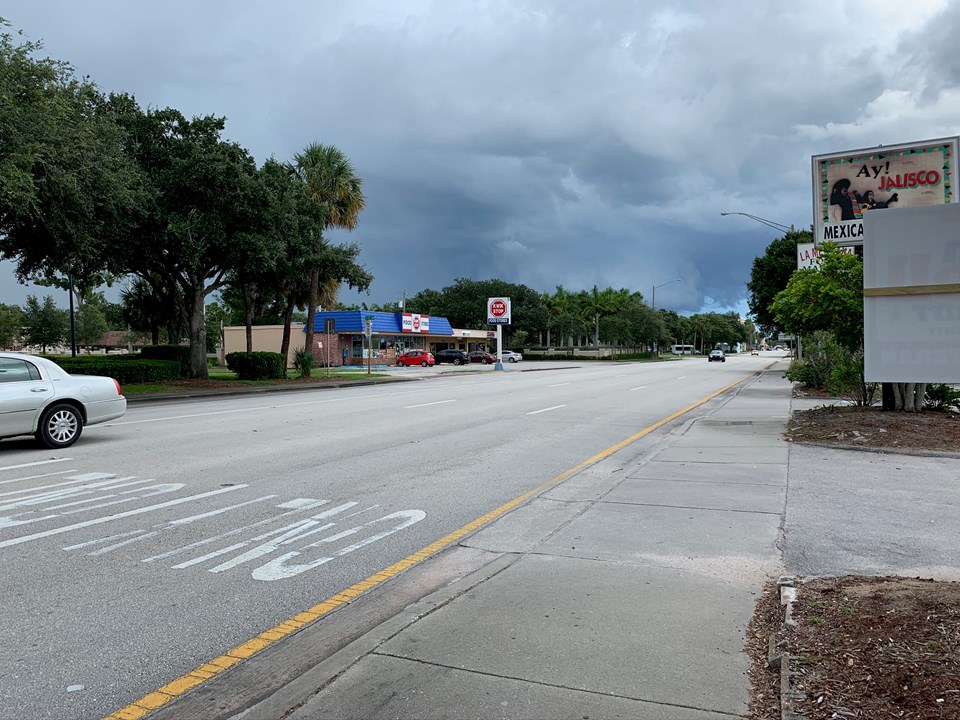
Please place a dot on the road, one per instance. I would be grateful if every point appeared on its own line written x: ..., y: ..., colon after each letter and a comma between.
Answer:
x: 163, y: 539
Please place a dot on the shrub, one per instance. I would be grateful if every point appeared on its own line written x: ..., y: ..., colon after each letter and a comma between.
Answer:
x: 302, y: 361
x: 941, y: 397
x: 257, y: 365
x: 179, y: 353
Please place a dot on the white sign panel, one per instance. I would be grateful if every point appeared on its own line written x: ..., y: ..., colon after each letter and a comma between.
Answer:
x: 911, y: 288
x: 413, y: 323
x: 848, y: 186
x: 498, y: 311
x: 808, y: 255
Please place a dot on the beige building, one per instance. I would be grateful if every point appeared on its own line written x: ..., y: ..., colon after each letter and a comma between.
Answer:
x: 266, y: 338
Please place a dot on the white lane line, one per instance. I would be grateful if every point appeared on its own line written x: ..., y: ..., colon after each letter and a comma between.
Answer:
x: 36, y: 477
x: 682, y: 377
x: 555, y: 407
x: 118, y: 516
x: 438, y: 402
x: 558, y: 385
x: 639, y: 387
x: 34, y: 464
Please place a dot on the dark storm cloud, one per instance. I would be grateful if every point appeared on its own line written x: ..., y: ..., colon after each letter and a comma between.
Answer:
x: 545, y: 143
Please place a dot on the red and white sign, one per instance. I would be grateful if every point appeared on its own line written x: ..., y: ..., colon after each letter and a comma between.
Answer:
x: 498, y: 311
x: 414, y: 323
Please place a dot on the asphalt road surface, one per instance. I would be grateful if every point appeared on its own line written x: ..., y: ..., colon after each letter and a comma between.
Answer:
x: 184, y: 529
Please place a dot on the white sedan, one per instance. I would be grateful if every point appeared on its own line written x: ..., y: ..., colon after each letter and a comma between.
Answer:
x: 39, y: 398
x: 511, y: 356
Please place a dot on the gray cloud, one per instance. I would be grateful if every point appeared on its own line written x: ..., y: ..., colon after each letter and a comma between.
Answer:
x: 540, y: 142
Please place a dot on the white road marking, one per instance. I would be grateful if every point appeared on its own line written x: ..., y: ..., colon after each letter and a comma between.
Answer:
x: 558, y: 385
x: 555, y: 407
x: 438, y: 402
x: 682, y: 377
x: 35, y: 477
x: 118, y: 516
x: 639, y: 387
x: 34, y: 464
x: 229, y: 533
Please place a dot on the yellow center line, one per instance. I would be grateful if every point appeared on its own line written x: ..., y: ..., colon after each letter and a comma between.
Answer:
x: 140, y: 708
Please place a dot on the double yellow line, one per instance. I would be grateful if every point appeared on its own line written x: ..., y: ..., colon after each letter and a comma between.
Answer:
x: 140, y: 708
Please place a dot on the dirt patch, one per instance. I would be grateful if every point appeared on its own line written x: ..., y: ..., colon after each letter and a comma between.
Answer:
x: 864, y: 647
x: 874, y: 428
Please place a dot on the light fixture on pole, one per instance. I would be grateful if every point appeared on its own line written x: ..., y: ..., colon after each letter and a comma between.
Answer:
x: 653, y: 305
x: 769, y: 223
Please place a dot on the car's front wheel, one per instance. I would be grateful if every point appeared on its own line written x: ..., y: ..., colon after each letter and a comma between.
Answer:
x: 456, y: 361
x: 60, y: 426
x: 423, y: 364
x: 484, y: 361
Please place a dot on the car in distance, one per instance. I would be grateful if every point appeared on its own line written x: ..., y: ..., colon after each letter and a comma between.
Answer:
x: 481, y: 356
x: 40, y: 398
x: 754, y: 352
x: 511, y: 356
x: 717, y: 355
x: 416, y: 357
x: 457, y: 357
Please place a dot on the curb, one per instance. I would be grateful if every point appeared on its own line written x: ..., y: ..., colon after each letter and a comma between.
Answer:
x: 789, y: 694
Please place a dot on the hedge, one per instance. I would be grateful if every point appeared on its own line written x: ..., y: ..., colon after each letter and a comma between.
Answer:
x: 121, y: 368
x: 179, y: 353
x: 257, y: 365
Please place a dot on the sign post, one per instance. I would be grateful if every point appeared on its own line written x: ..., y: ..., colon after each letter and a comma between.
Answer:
x: 498, y: 313
x: 368, y: 331
x: 329, y: 326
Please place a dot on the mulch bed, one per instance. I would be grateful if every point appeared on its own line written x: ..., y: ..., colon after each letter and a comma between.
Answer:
x: 874, y: 428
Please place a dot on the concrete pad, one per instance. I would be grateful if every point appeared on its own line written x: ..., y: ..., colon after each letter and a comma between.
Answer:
x: 704, y: 495
x: 648, y: 633
x: 730, y: 436
x: 752, y: 474
x: 526, y: 527
x: 586, y: 486
x: 872, y: 513
x: 735, y: 546
x: 382, y: 688
x: 730, y: 454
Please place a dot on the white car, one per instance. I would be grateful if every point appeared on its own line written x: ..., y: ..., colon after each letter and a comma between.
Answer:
x: 511, y: 356
x: 39, y: 398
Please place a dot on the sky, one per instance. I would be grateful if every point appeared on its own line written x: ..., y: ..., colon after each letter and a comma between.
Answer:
x: 542, y: 142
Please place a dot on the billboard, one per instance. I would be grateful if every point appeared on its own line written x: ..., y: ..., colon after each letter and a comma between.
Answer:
x: 848, y: 185
x: 911, y: 303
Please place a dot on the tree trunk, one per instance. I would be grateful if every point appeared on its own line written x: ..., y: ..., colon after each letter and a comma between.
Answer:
x: 197, y: 331
x: 287, y: 321
x: 311, y: 313
x: 908, y: 397
x: 248, y: 316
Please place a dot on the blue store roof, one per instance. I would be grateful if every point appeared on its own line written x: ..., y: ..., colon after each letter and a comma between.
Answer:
x: 352, y: 321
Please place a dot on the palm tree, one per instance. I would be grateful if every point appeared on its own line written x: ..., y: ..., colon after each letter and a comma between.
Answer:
x: 336, y: 191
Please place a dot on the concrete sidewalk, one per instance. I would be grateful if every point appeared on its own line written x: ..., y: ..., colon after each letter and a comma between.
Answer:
x: 623, y: 592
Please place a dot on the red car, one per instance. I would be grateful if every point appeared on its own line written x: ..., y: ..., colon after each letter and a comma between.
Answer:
x: 482, y: 357
x: 416, y: 357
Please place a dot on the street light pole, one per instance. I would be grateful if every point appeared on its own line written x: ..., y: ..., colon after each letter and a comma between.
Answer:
x: 769, y: 223
x: 653, y: 306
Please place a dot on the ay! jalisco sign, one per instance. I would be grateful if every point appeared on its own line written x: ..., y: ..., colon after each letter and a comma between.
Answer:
x: 850, y: 184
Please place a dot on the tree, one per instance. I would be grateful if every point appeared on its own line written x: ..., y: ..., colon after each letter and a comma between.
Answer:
x: 67, y: 187
x: 11, y: 320
x: 770, y: 274
x: 91, y: 325
x: 337, y: 192
x: 45, y: 324
x: 205, y: 218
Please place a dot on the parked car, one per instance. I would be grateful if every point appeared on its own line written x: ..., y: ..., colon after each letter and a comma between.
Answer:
x: 481, y: 356
x: 40, y: 398
x: 511, y: 356
x: 717, y: 355
x: 416, y: 357
x: 457, y: 357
